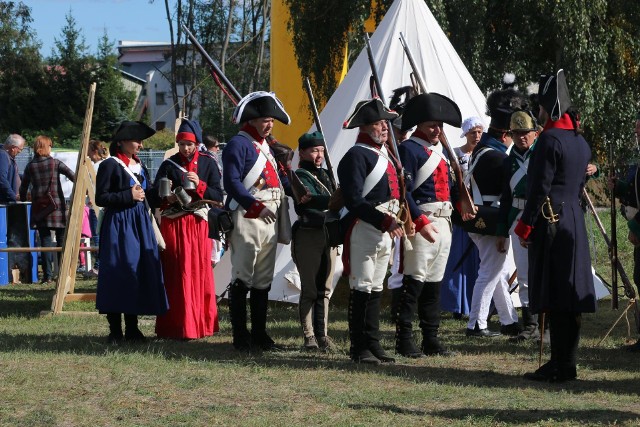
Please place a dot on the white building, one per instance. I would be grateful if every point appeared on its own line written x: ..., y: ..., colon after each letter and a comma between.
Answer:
x: 148, y: 66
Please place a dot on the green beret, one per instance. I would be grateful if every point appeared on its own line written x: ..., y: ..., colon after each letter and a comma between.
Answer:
x: 308, y: 140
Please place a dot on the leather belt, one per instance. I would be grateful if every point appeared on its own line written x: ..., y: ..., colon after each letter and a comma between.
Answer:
x: 437, y: 209
x: 392, y: 207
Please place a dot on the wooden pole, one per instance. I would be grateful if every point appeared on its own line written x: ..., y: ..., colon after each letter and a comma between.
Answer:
x: 71, y: 241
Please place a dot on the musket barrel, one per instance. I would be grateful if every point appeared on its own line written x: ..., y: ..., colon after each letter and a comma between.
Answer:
x: 212, y: 64
x: 316, y: 119
x: 376, y: 80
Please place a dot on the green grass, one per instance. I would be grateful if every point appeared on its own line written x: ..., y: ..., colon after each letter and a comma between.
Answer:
x: 59, y: 370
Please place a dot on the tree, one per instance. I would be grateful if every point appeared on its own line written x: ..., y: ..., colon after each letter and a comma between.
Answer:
x: 113, y: 103
x: 597, y: 42
x: 233, y: 32
x: 21, y: 74
x: 69, y: 77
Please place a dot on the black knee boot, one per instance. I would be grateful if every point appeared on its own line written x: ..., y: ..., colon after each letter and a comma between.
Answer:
x: 359, y: 351
x: 553, y: 370
x: 406, y: 307
x: 131, y: 331
x: 396, y: 295
x: 115, y: 328
x: 429, y: 315
x: 530, y: 329
x: 238, y: 315
x: 372, y: 328
x: 567, y: 362
x: 259, y: 301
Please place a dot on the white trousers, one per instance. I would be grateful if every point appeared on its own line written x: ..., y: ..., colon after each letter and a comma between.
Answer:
x: 370, y: 250
x: 521, y: 258
x: 493, y: 281
x: 427, y: 261
x: 253, y: 245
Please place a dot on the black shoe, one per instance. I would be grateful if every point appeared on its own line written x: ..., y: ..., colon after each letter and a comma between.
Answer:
x: 481, y: 333
x: 134, y: 335
x: 131, y: 331
x: 512, y: 329
x: 376, y: 349
x: 431, y: 346
x: 408, y: 348
x: 550, y: 372
x: 366, y: 357
x: 265, y: 343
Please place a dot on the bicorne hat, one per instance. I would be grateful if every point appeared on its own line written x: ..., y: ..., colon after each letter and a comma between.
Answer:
x: 260, y: 104
x: 129, y: 130
x: 428, y: 107
x: 308, y: 140
x: 368, y: 112
x: 553, y: 94
x: 189, y: 130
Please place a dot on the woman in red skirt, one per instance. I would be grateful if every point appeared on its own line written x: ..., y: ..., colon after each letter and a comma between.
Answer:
x: 186, y: 261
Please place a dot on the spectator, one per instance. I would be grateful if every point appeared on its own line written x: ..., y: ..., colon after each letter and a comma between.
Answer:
x: 43, y: 175
x: 9, y: 177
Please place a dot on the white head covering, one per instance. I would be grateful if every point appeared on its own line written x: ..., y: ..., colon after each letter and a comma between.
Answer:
x: 471, y: 122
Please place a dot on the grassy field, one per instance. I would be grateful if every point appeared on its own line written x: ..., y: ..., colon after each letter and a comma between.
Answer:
x: 60, y: 371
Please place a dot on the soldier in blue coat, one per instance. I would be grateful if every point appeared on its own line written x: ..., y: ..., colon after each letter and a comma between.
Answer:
x: 552, y: 226
x: 429, y: 185
x: 255, y: 185
x: 371, y: 195
x: 486, y: 178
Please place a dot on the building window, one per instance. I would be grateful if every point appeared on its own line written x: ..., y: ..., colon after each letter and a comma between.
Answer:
x: 160, y: 98
x: 160, y: 125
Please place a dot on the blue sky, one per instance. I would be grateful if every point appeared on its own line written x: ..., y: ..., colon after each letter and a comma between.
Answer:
x: 124, y: 20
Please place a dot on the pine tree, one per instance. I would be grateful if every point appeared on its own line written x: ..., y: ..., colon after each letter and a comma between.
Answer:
x: 21, y: 75
x: 113, y: 102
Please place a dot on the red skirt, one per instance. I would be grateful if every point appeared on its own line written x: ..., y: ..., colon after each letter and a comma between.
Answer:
x: 188, y: 279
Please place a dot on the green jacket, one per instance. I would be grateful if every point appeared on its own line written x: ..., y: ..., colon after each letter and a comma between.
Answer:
x: 316, y: 180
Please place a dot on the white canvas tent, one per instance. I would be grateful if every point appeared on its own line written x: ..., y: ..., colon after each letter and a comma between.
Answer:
x: 443, y: 72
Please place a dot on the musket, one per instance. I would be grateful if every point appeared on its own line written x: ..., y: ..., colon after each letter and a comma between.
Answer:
x: 316, y: 119
x: 466, y: 204
x: 409, y: 227
x: 629, y: 290
x: 613, y: 248
x: 282, y: 153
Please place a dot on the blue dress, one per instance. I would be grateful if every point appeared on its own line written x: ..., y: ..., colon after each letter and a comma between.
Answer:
x: 459, y: 276
x: 130, y: 279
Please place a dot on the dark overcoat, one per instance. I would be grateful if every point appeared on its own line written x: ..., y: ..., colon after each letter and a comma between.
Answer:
x: 560, y: 278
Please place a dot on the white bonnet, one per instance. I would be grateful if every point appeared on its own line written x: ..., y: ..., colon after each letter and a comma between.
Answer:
x: 471, y: 122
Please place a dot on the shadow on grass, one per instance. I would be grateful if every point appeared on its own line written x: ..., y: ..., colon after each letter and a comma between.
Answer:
x: 26, y: 302
x: 515, y: 416
x: 212, y: 350
x: 512, y: 416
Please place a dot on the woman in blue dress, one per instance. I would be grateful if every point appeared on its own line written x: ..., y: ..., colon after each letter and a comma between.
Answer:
x: 462, y: 267
x: 130, y: 279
